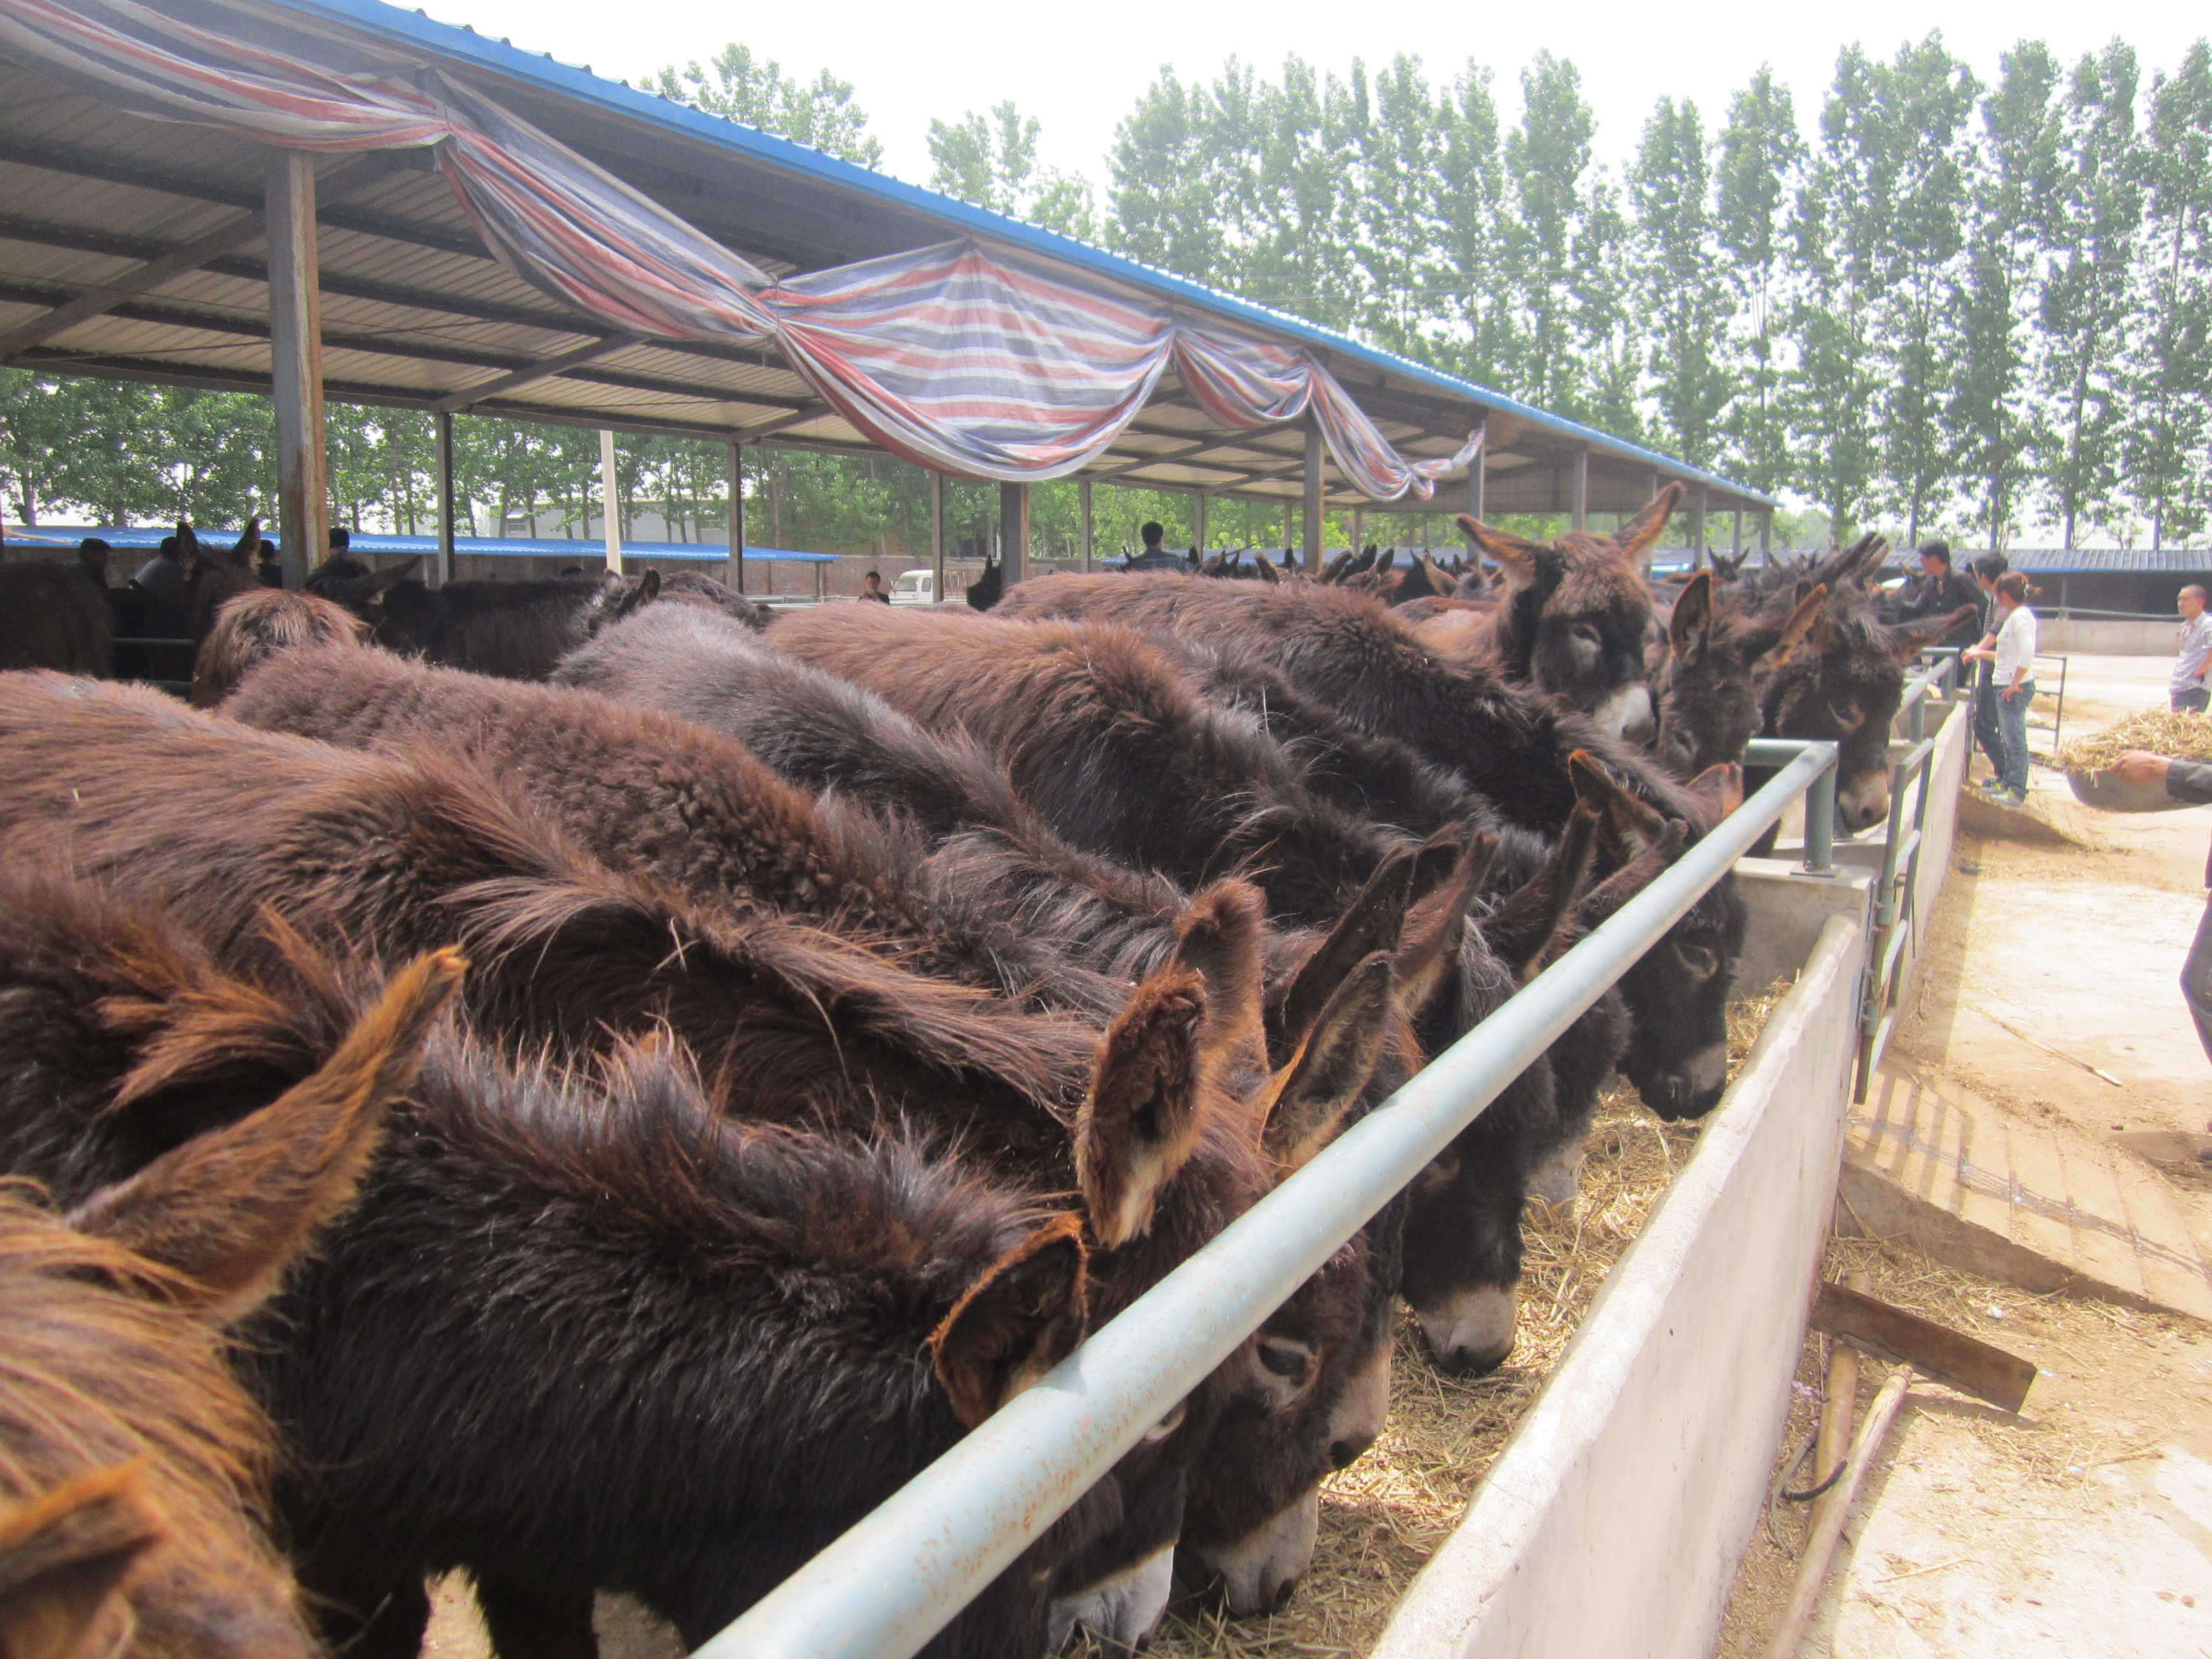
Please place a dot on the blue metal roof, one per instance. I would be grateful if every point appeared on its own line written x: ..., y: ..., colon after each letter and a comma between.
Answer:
x: 415, y: 32
x: 588, y: 553
x: 2111, y: 561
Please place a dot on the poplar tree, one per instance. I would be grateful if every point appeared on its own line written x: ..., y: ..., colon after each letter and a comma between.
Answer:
x: 1165, y: 201
x: 1996, y: 422
x: 1683, y: 299
x: 1761, y: 157
x: 2089, y: 288
x: 2171, y: 435
x: 1547, y: 156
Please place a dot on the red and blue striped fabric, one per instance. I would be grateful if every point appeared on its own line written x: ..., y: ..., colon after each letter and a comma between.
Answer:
x: 974, y: 360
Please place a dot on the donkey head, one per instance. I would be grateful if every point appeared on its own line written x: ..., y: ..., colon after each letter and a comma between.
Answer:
x: 1715, y: 651
x: 1576, y: 613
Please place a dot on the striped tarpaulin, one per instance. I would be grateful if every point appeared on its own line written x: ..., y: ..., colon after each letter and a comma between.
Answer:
x: 973, y: 359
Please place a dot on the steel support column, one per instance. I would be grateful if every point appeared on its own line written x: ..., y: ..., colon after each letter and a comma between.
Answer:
x: 734, y: 573
x: 1578, y: 492
x: 1013, y: 532
x: 441, y: 438
x: 1698, y: 528
x: 1766, y: 537
x: 1312, y: 527
x: 1083, y: 507
x: 609, y: 500
x: 296, y: 351
x: 1475, y: 493
x: 1198, y: 523
x: 1736, y: 534
x: 937, y: 536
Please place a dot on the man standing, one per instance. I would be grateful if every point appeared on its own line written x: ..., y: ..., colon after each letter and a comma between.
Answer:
x: 2186, y: 689
x: 1941, y: 590
x: 871, y: 587
x: 1155, y: 557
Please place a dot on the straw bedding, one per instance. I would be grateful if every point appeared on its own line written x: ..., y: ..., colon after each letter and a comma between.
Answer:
x: 2177, y: 736
x: 1384, y: 1516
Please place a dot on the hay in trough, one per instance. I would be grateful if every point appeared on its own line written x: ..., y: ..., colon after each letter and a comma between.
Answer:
x: 1385, y: 1516
x: 2182, y: 736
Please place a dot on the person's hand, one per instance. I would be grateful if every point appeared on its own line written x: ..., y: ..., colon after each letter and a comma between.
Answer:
x: 2140, y: 765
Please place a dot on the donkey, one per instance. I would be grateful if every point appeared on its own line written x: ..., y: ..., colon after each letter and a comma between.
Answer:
x: 1708, y: 669
x: 1096, y: 728
x: 392, y: 857
x: 51, y: 617
x: 1847, y: 683
x: 254, y: 626
x: 788, y: 1242
x: 1575, y: 614
x: 133, y: 1468
x: 514, y: 629
x: 1512, y: 745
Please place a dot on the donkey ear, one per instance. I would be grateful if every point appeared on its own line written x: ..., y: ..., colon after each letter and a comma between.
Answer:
x: 1371, y: 922
x: 1521, y: 560
x: 1437, y: 925
x: 1531, y: 928
x: 1689, y: 629
x: 1309, y: 1097
x: 1908, y: 640
x: 1629, y: 825
x: 1720, y: 784
x: 1142, y: 1119
x: 1646, y: 528
x: 248, y: 542
x: 1218, y: 938
x: 1020, y: 1319
x: 1264, y: 568
x: 1633, y: 877
x: 636, y: 595
x: 385, y: 580
x: 1793, y: 632
x: 65, y: 1557
x: 231, y: 1210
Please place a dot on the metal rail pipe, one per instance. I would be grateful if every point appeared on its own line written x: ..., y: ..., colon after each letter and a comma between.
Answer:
x: 899, y: 1576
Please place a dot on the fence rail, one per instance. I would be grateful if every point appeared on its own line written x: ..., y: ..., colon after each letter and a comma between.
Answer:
x: 899, y: 1576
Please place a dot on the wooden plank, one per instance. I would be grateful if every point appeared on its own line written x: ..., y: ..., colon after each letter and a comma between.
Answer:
x: 1312, y: 480
x: 1964, y: 1362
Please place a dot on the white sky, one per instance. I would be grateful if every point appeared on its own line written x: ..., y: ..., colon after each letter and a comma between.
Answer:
x: 1078, y: 69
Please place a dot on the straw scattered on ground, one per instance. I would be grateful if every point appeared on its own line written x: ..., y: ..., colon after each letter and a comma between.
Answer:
x: 1385, y: 1516
x: 2182, y: 736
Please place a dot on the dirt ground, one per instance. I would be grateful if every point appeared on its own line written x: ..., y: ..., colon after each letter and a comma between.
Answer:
x: 2082, y: 1528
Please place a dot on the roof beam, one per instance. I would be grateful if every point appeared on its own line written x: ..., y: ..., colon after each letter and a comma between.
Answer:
x: 543, y: 369
x: 813, y: 411
x: 343, y: 176
x: 1204, y: 445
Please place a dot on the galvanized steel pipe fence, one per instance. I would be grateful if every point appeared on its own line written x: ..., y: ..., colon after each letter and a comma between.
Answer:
x: 899, y: 1576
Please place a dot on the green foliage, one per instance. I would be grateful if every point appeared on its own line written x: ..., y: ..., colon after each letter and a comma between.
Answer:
x: 992, y: 163
x: 755, y: 91
x: 2170, y: 442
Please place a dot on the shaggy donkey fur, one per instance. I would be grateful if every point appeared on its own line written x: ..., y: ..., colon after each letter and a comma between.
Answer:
x: 256, y: 625
x: 132, y: 1467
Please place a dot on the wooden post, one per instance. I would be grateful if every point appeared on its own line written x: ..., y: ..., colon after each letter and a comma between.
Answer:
x: 1736, y: 534
x: 1698, y: 529
x: 441, y: 433
x: 735, y: 573
x: 937, y: 537
x: 1578, y: 491
x: 1013, y: 532
x: 1766, y: 537
x: 609, y: 500
x: 1359, y: 528
x: 1313, y: 525
x: 1198, y: 523
x: 1083, y: 504
x: 1475, y: 494
x: 295, y: 352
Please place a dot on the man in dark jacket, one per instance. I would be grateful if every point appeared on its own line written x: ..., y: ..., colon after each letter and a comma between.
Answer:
x: 2191, y: 781
x: 1939, y: 591
x: 1155, y: 557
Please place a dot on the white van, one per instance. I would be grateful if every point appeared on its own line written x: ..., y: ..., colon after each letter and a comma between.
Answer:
x: 915, y: 587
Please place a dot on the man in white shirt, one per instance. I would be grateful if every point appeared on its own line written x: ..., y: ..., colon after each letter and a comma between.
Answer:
x: 2186, y: 689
